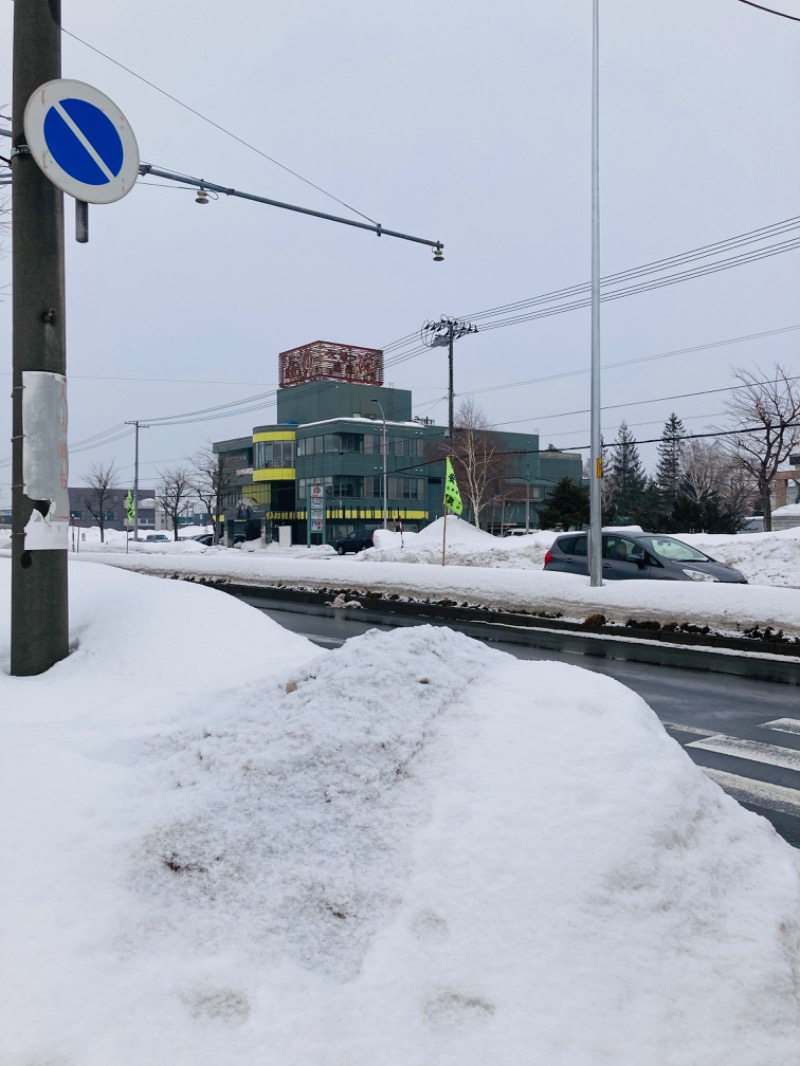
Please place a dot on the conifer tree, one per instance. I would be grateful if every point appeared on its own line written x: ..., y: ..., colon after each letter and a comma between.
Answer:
x: 626, y: 476
x: 669, y: 469
x: 566, y: 506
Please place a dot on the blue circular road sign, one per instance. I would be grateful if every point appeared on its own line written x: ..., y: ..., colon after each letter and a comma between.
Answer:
x: 82, y: 141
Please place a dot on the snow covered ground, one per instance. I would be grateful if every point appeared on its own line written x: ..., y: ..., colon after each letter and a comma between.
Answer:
x: 221, y: 845
x: 504, y: 574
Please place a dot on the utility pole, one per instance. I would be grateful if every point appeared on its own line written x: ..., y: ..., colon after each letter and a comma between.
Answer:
x: 384, y: 450
x: 596, y: 472
x: 39, y: 591
x: 437, y: 335
x: 138, y: 425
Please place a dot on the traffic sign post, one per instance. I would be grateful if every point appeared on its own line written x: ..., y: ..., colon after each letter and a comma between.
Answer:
x: 66, y: 137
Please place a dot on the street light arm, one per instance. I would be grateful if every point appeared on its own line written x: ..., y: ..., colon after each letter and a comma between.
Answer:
x: 157, y: 172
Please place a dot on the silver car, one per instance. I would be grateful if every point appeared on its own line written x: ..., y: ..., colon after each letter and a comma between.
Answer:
x: 639, y: 555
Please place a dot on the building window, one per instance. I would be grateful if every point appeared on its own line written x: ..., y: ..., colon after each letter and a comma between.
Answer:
x: 351, y: 442
x: 348, y: 487
x: 406, y: 488
x: 275, y: 454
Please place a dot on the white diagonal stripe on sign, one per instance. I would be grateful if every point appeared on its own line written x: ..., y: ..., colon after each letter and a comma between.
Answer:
x: 84, y: 141
x: 770, y: 754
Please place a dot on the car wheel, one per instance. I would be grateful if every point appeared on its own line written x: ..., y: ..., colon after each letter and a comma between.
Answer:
x: 340, y: 550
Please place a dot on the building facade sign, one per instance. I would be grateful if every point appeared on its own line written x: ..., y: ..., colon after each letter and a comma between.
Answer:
x: 326, y: 361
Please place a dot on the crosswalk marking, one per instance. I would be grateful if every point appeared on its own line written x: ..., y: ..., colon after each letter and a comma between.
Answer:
x: 784, y: 725
x: 693, y: 730
x: 754, y: 750
x: 758, y: 793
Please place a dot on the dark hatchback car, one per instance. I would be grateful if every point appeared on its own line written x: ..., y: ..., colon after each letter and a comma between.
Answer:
x: 639, y: 555
x: 354, y: 542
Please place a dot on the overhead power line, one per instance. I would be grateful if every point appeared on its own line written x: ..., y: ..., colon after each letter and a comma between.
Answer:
x: 639, y: 403
x: 216, y: 125
x: 770, y: 10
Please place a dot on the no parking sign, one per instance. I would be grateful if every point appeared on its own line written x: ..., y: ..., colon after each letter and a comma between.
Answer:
x: 81, y: 141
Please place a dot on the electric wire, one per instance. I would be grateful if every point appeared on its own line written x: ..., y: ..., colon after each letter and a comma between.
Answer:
x: 770, y: 10
x: 216, y: 125
x: 639, y: 403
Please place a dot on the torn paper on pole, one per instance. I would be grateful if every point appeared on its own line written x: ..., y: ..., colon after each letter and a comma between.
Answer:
x: 45, y: 459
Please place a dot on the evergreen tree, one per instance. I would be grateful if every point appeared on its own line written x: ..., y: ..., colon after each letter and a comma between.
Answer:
x: 627, y: 479
x: 566, y: 506
x: 670, y: 460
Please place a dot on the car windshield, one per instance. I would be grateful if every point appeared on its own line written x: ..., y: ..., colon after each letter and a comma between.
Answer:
x: 676, y: 550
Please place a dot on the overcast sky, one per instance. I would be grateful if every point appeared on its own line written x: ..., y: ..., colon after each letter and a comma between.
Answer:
x: 468, y: 123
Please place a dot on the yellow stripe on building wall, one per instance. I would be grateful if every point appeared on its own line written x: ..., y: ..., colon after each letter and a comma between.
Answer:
x: 274, y: 474
x: 275, y: 434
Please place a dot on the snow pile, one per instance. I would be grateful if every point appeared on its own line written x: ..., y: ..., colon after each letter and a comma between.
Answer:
x: 413, y: 850
x: 465, y: 546
x: 763, y: 558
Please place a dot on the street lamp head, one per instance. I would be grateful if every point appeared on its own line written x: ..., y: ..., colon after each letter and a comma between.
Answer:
x: 438, y: 254
x: 202, y: 196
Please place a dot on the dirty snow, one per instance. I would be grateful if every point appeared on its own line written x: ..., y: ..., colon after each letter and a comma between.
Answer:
x: 223, y: 846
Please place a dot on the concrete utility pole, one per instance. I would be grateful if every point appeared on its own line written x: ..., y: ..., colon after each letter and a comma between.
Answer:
x: 138, y: 425
x: 596, y: 472
x: 39, y: 594
x: 437, y: 335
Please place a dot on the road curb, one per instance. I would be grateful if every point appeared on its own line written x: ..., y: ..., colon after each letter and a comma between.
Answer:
x: 743, y: 657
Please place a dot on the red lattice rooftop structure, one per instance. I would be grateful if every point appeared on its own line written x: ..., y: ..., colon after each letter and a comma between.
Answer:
x: 328, y: 361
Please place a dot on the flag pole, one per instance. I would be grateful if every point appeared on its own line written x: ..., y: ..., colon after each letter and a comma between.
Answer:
x: 444, y: 531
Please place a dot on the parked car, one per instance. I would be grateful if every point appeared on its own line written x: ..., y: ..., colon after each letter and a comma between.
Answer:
x: 206, y: 539
x: 354, y: 542
x: 516, y: 531
x: 639, y: 555
x: 160, y: 537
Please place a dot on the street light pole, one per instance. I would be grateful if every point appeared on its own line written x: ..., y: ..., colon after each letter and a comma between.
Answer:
x: 383, y: 449
x: 596, y: 471
x: 437, y: 335
x: 527, y: 499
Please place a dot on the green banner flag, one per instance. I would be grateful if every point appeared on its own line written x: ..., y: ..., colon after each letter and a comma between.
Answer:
x: 452, y: 497
x: 130, y: 506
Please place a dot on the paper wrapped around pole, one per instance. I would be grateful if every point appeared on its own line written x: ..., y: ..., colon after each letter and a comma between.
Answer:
x: 45, y: 459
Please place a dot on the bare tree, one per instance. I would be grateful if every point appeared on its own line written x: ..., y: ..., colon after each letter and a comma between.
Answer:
x: 100, y: 494
x: 709, y: 472
x: 213, y: 479
x: 773, y: 405
x: 702, y: 469
x: 479, y: 461
x: 174, y: 492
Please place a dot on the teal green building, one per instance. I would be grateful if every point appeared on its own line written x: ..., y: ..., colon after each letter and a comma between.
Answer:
x: 319, y: 467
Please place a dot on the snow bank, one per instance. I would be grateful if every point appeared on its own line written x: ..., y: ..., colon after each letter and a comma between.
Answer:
x: 763, y: 558
x: 723, y: 608
x: 410, y: 851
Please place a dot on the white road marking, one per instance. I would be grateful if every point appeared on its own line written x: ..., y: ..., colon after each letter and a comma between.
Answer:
x: 770, y: 754
x: 784, y: 725
x: 321, y: 640
x: 758, y: 793
x: 693, y: 729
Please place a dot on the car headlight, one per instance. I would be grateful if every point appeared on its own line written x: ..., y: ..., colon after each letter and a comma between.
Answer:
x: 698, y: 575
